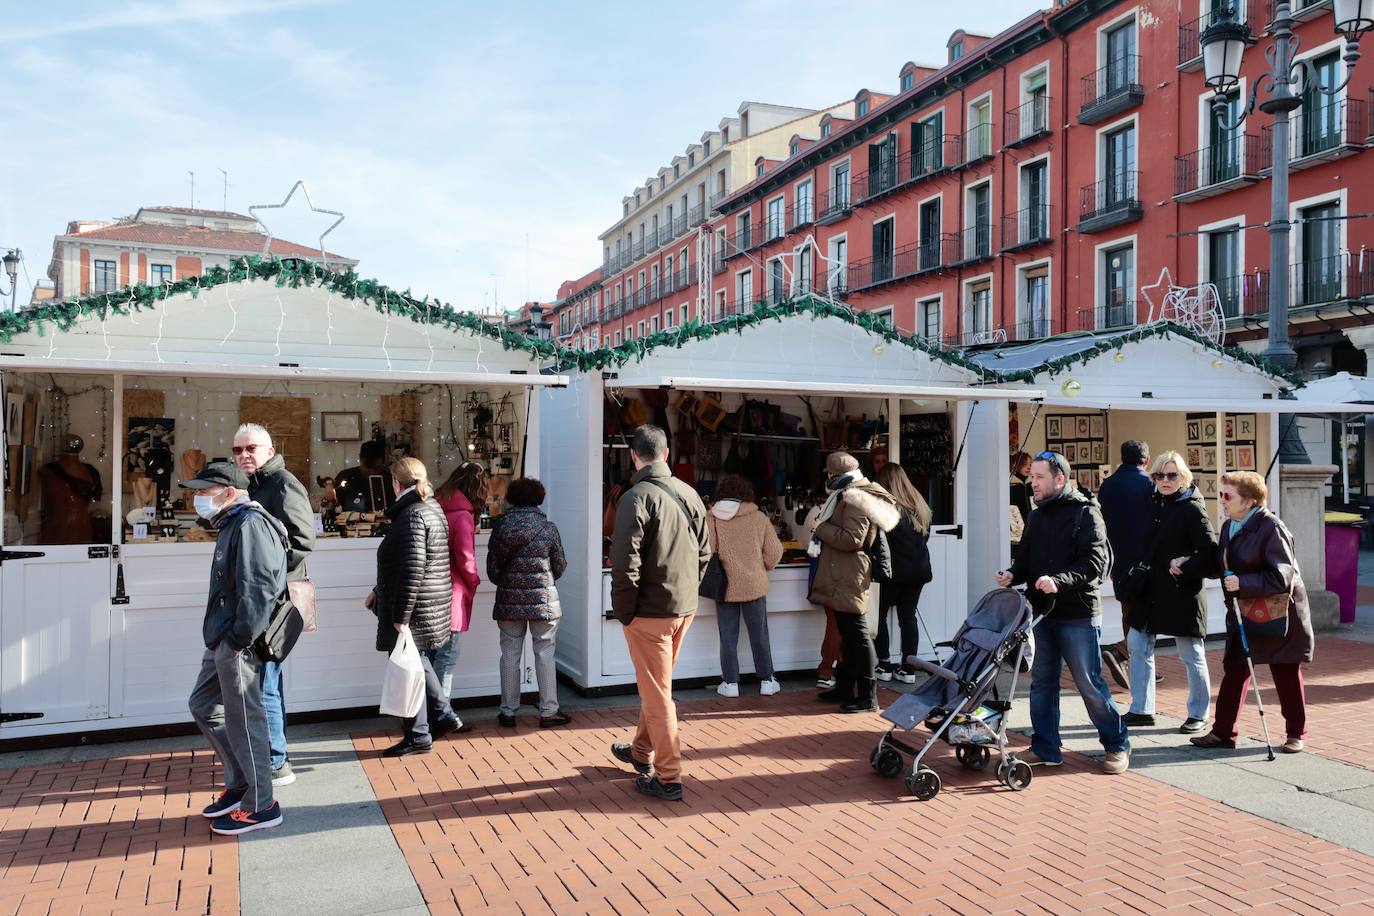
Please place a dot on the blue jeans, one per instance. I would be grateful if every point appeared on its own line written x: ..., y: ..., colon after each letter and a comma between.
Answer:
x: 755, y: 615
x: 444, y: 659
x: 1194, y: 658
x: 1075, y: 643
x: 274, y: 704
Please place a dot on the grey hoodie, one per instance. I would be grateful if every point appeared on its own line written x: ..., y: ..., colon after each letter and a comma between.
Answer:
x: 247, y: 575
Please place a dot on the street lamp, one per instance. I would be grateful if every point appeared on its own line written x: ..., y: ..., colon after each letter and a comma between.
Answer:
x: 12, y: 259
x: 1223, y: 46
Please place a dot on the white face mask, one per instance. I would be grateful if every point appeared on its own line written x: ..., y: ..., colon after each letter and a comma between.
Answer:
x: 205, y: 505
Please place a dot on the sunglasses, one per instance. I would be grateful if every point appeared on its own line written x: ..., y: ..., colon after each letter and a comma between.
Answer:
x: 1227, y: 497
x: 250, y: 449
x: 1166, y: 475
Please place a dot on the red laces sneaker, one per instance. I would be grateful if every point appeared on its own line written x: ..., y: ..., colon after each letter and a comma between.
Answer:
x: 241, y: 821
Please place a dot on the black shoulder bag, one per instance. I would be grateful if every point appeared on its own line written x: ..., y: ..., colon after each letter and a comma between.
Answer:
x: 286, y: 623
x: 714, y: 581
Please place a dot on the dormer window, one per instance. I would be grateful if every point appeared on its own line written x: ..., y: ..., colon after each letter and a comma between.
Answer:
x: 825, y: 129
x: 650, y: 192
x: 662, y: 183
x: 956, y: 50
x: 796, y: 147
x: 627, y: 208
x: 761, y: 169
x: 908, y: 80
x: 862, y: 108
x: 691, y: 159
x: 677, y: 169
x: 706, y: 148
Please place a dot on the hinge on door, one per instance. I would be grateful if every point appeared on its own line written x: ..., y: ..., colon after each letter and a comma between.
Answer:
x: 120, y: 596
x: 20, y: 555
x: 957, y: 531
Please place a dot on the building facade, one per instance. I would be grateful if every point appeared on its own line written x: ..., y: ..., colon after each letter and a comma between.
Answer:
x: 161, y: 244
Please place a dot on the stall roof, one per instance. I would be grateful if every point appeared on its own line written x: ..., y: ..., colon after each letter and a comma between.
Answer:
x: 1206, y: 405
x: 272, y: 319
x: 1342, y: 387
x: 855, y: 389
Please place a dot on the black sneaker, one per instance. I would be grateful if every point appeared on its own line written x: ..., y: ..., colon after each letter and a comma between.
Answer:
x: 555, y: 720
x: 227, y: 803
x: 652, y: 785
x: 1137, y: 720
x: 406, y: 747
x: 1112, y: 662
x: 624, y: 754
x: 505, y: 721
x: 884, y: 671
x: 241, y: 821
x: 283, y: 775
x: 906, y: 675
x: 1193, y: 726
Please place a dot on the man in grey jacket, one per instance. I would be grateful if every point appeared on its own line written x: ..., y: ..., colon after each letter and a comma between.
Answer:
x: 247, y: 583
x: 279, y: 492
x: 658, y: 555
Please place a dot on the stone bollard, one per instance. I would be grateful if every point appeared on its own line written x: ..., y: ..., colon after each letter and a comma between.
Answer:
x: 1303, y: 507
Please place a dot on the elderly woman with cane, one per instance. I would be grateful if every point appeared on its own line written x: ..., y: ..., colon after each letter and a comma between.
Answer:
x: 1267, y: 619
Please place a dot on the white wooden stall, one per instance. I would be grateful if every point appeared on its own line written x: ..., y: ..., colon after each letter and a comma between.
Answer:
x: 106, y: 635
x: 800, y: 355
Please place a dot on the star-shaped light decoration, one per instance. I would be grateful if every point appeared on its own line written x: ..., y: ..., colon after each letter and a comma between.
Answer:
x: 298, y: 186
x: 1197, y: 308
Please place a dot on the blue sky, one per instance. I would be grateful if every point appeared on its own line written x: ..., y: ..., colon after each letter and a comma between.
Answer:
x: 454, y: 137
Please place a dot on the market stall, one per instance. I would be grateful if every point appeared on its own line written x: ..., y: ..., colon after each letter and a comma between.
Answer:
x: 766, y: 395
x: 1217, y: 406
x: 112, y: 399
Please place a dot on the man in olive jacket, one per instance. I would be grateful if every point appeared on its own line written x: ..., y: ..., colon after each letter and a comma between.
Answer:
x: 658, y: 555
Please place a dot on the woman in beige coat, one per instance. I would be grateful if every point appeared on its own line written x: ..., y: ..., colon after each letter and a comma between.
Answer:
x: 748, y: 547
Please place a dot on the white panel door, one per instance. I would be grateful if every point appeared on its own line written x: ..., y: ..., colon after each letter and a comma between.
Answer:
x: 55, y: 634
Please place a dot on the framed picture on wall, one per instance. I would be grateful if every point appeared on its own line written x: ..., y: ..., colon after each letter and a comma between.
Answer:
x: 341, y: 426
x: 1230, y: 427
x: 1245, y: 426
x: 1099, y: 452
x: 1230, y: 458
x: 1085, y: 428
x: 1209, y: 430
x: 1052, y: 429
x: 1245, y: 457
x: 1209, y: 457
x: 1194, y: 457
x: 1070, y: 452
x: 1097, y: 426
x: 1209, y: 487
x: 1194, y: 430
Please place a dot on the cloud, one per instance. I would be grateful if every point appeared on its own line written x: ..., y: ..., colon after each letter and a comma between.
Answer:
x: 142, y: 15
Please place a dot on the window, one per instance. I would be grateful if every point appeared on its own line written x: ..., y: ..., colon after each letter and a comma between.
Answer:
x: 684, y: 313
x: 840, y: 187
x: 1120, y: 69
x: 1223, y: 268
x: 1035, y: 114
x: 761, y: 169
x: 1034, y: 224
x: 627, y: 208
x: 1119, y: 176
x: 839, y: 265
x: 720, y: 305
x: 825, y: 129
x: 978, y: 240
x: 928, y: 319
x: 662, y: 182
x: 775, y: 218
x: 882, y: 250
x: 649, y: 192
x: 105, y: 276
x: 653, y: 324
x: 1319, y: 274
x: 653, y: 238
x: 160, y: 273
x: 1318, y: 122
x: 617, y: 338
x: 742, y: 242
x: 1034, y: 305
x: 706, y: 148
x: 668, y: 317
x: 862, y: 108
x: 928, y: 256
x: 927, y: 142
x: 978, y: 311
x: 720, y: 183
x: 1223, y: 146
x: 639, y: 329
x: 777, y: 281
x: 802, y: 270
x: 1118, y: 308
x: 956, y: 50
x: 805, y: 203
x: 744, y: 285
x: 908, y: 80
x: 882, y: 165
x: 794, y: 148
x: 885, y: 316
x: 677, y: 169
x: 980, y: 131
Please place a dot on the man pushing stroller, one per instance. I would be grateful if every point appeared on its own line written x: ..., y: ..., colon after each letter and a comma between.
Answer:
x: 1063, y: 556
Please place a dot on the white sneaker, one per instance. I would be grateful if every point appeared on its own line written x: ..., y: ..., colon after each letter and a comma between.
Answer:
x: 769, y: 687
x: 728, y: 690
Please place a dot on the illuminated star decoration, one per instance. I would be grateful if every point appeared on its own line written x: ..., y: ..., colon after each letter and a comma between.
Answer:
x: 299, y: 185
x: 1197, y: 308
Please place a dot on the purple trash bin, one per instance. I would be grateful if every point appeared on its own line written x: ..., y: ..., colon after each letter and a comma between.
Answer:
x: 1343, y: 565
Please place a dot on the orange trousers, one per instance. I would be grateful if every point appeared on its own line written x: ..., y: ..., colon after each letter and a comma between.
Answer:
x: 654, y: 645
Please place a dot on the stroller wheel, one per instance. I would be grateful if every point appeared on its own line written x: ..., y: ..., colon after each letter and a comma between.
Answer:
x: 886, y: 762
x: 924, y: 784
x: 972, y: 756
x: 1018, y: 775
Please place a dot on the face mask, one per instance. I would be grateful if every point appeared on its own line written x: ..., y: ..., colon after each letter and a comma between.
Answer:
x: 205, y: 506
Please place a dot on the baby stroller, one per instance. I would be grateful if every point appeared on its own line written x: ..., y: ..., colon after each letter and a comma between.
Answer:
x: 959, y: 703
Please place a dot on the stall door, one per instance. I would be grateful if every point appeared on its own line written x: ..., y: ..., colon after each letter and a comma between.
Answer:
x: 944, y: 600
x: 55, y: 632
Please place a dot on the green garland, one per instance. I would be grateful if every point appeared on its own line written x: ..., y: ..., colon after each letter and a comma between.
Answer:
x: 1144, y: 332
x: 638, y: 349
x: 63, y: 316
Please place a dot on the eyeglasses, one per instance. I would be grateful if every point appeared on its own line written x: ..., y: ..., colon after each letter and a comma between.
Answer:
x: 1047, y: 456
x: 250, y: 449
x: 1166, y: 475
x: 1227, y: 497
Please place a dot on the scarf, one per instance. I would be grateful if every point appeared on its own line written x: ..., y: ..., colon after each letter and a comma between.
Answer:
x: 1235, y: 526
x: 836, y: 487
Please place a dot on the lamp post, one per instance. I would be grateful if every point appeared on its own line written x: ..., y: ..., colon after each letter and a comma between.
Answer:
x: 12, y: 259
x: 1223, y: 48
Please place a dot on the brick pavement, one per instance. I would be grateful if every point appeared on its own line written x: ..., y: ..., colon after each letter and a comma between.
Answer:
x: 1340, y: 699
x: 121, y: 834
x: 784, y: 815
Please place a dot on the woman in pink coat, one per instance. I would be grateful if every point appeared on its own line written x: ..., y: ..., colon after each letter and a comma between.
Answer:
x: 462, y: 497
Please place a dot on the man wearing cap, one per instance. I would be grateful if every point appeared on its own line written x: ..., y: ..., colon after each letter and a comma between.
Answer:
x: 247, y: 581
x: 1063, y: 557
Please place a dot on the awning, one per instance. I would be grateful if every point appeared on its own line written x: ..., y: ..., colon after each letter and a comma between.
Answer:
x: 1342, y: 387
x: 201, y: 370
x: 842, y: 389
x: 1200, y: 405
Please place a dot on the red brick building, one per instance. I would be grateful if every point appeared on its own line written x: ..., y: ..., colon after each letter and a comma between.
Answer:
x: 1033, y: 183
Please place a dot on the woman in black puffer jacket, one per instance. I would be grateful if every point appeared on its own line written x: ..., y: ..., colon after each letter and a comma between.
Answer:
x: 524, y: 560
x: 414, y: 592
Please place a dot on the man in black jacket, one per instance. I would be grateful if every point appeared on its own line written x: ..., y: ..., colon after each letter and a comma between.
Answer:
x: 279, y: 492
x: 1063, y: 555
x: 247, y: 583
x: 1125, y: 499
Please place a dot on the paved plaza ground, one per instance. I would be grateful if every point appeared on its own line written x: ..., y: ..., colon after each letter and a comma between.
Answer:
x: 783, y: 814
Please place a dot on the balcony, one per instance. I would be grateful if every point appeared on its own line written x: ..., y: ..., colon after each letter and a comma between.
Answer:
x: 802, y: 213
x: 774, y: 228
x: 1332, y: 129
x: 834, y: 204
x: 879, y: 181
x: 1032, y: 329
x: 696, y: 216
x: 739, y: 243
x: 1230, y: 163
x: 978, y: 143
x: 1113, y: 201
x: 716, y: 200
x: 976, y: 244
x: 1108, y: 317
x: 1243, y: 294
x: 1030, y: 121
x: 718, y: 262
x: 1026, y: 228
x: 636, y: 251
x: 938, y: 252
x: 680, y: 226
x: 936, y: 155
x: 1190, y: 33
x: 835, y: 284
x: 1111, y: 90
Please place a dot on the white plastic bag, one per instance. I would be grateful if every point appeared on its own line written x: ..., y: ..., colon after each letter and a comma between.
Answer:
x: 403, y: 685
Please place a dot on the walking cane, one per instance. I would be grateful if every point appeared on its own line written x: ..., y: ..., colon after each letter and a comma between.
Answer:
x: 1254, y: 682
